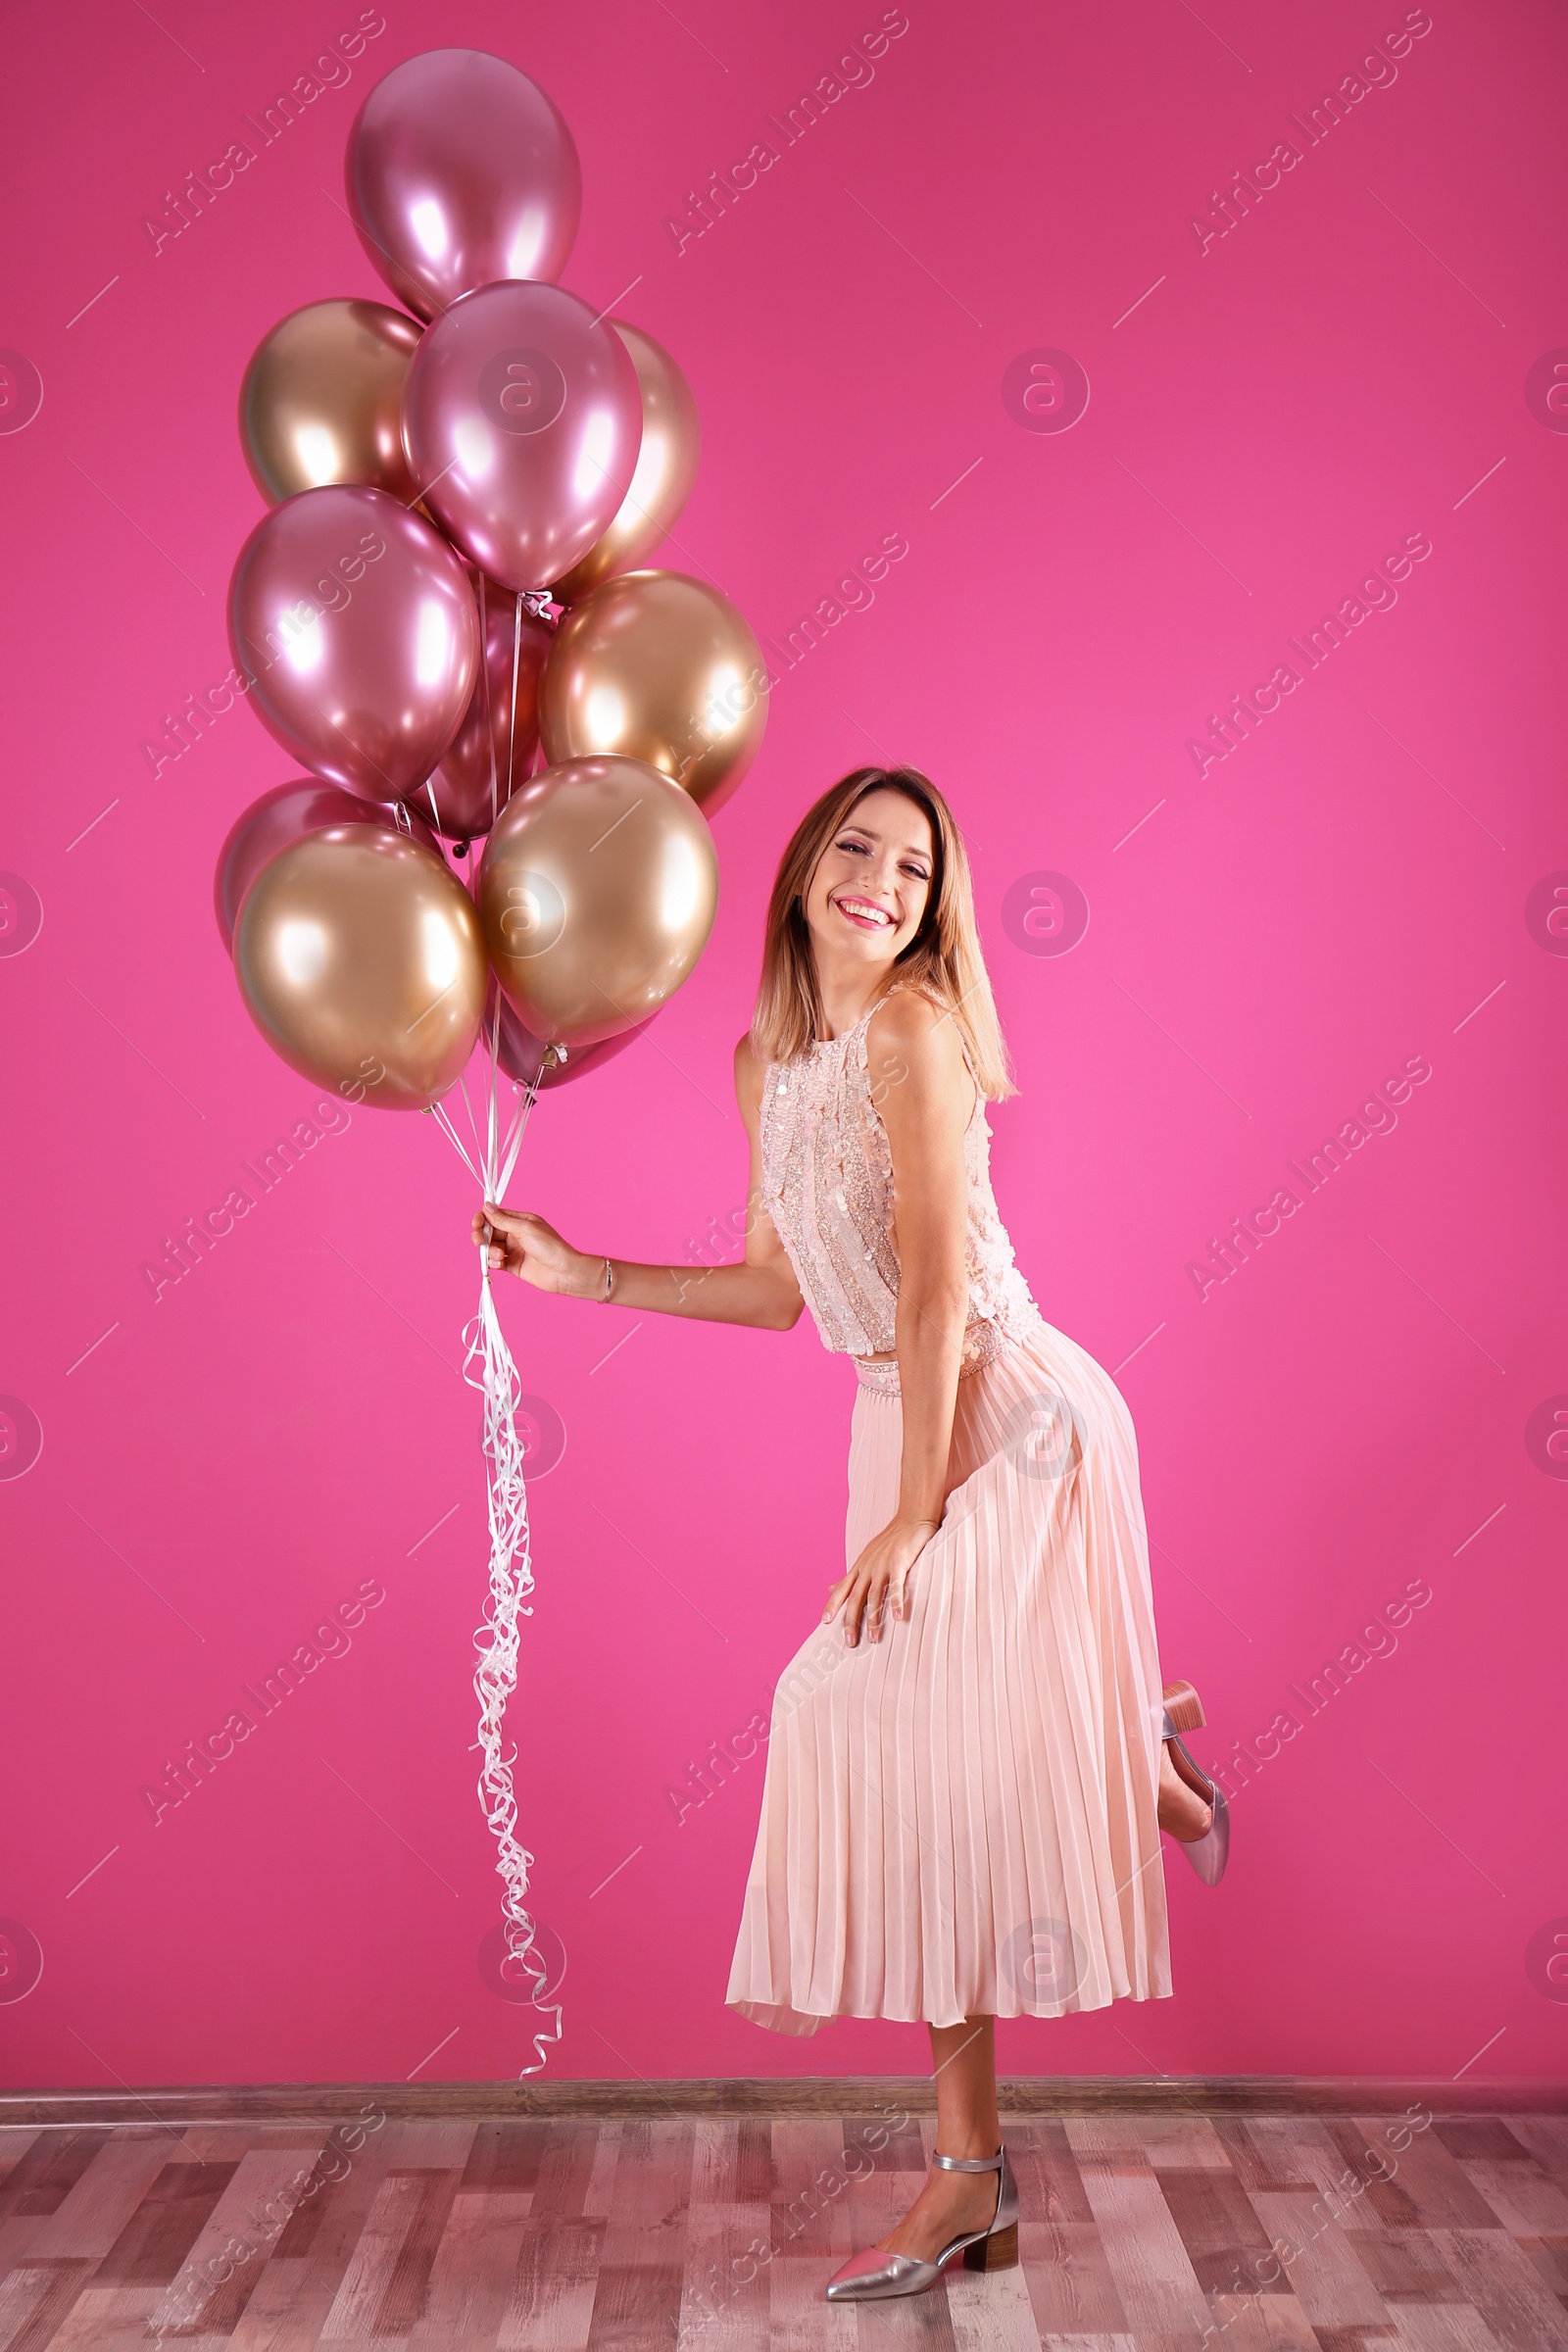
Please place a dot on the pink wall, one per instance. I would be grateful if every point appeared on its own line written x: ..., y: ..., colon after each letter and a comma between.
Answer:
x: 1364, y: 1403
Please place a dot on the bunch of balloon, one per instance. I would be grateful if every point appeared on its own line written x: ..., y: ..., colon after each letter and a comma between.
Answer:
x: 447, y: 619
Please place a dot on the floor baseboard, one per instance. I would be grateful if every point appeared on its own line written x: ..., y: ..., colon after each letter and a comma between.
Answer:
x: 1019, y: 2095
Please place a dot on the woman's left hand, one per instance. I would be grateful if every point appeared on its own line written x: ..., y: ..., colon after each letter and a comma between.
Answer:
x: 881, y: 1572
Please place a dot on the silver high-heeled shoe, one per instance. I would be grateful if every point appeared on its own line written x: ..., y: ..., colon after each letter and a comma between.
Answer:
x: 874, y: 2274
x: 1208, y: 1854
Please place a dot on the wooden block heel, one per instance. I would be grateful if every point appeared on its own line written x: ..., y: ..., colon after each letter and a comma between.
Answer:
x: 1208, y: 1854
x: 1184, y: 1707
x: 998, y: 2252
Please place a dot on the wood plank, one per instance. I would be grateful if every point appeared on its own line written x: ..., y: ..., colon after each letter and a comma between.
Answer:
x: 107, y: 2319
x: 754, y: 2159
x: 1546, y: 2137
x: 1181, y: 2144
x: 565, y: 2171
x: 715, y: 2149
x: 813, y: 2216
x: 22, y: 2290
x: 46, y: 2172
x: 1072, y: 2290
x: 227, y: 2142
x: 799, y: 2319
x: 550, y: 2302
x: 1502, y: 2283
x: 1267, y: 2323
x: 403, y: 2296
x: 1154, y: 2279
x: 1108, y: 2144
x: 896, y: 2141
x: 63, y: 2284
x: 1332, y: 2287
x: 1261, y: 2158
x: 1226, y: 2244
x: 599, y: 2195
x: 1428, y: 2173
x: 638, y: 2292
x: 218, y: 2274
x: 1525, y: 2201
x: 1444, y: 2327
x: 1485, y: 2135
x: 159, y: 2235
x: 92, y: 2215
x: 989, y: 2312
x: 637, y: 2302
x: 432, y: 2143
x: 1089, y: 2343
x: 365, y: 2283
x: 724, y: 2290
x: 1304, y: 2148
x: 1548, y: 2258
x: 1051, y: 2187
x: 1403, y: 2265
x: 505, y: 2157
x: 470, y: 2278
x: 297, y: 2289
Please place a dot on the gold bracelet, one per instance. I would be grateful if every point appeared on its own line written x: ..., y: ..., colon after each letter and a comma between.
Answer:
x: 609, y: 1281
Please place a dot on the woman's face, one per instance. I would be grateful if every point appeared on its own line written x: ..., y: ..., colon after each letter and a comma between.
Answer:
x: 868, y: 896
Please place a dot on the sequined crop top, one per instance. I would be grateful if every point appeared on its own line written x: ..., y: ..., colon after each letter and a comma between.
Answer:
x: 827, y: 1179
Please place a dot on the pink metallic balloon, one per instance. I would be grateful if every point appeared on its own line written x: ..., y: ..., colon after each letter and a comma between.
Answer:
x: 522, y: 419
x: 456, y: 798
x: 460, y: 170
x: 283, y: 816
x: 356, y: 627
x: 521, y: 1054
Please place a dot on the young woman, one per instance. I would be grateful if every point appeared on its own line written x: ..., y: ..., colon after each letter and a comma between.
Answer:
x: 971, y: 1757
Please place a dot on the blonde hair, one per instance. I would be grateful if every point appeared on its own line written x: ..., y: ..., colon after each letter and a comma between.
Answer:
x: 944, y: 959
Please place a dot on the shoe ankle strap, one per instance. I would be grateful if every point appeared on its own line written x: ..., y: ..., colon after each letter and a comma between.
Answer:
x: 971, y: 2164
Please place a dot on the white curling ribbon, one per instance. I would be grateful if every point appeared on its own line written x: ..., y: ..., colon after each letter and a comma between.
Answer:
x: 488, y: 1366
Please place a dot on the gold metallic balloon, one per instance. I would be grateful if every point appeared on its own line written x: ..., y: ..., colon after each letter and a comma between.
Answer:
x: 361, y: 959
x: 319, y: 400
x: 667, y: 467
x: 597, y: 893
x: 656, y: 666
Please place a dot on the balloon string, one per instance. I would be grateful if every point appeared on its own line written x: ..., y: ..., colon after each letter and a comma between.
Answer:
x: 473, y: 1124
x: 489, y: 720
x: 443, y: 1119
x: 511, y: 715
x: 489, y: 1367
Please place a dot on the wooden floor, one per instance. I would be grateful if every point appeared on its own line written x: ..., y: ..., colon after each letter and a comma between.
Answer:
x: 1149, y: 2233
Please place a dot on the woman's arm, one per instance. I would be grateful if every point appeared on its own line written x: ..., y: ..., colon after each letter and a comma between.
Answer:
x: 760, y: 1292
x: 923, y: 1089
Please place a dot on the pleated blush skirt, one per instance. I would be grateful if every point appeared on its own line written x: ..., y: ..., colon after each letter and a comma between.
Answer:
x: 959, y: 1820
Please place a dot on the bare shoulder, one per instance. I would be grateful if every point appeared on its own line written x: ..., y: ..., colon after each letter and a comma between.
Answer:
x: 911, y: 1026
x: 916, y: 1062
x: 748, y: 1074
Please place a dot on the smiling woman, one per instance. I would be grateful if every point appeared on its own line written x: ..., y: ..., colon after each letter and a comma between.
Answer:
x: 961, y: 1810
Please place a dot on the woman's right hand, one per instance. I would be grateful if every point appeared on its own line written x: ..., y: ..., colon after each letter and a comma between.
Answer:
x: 525, y: 1245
